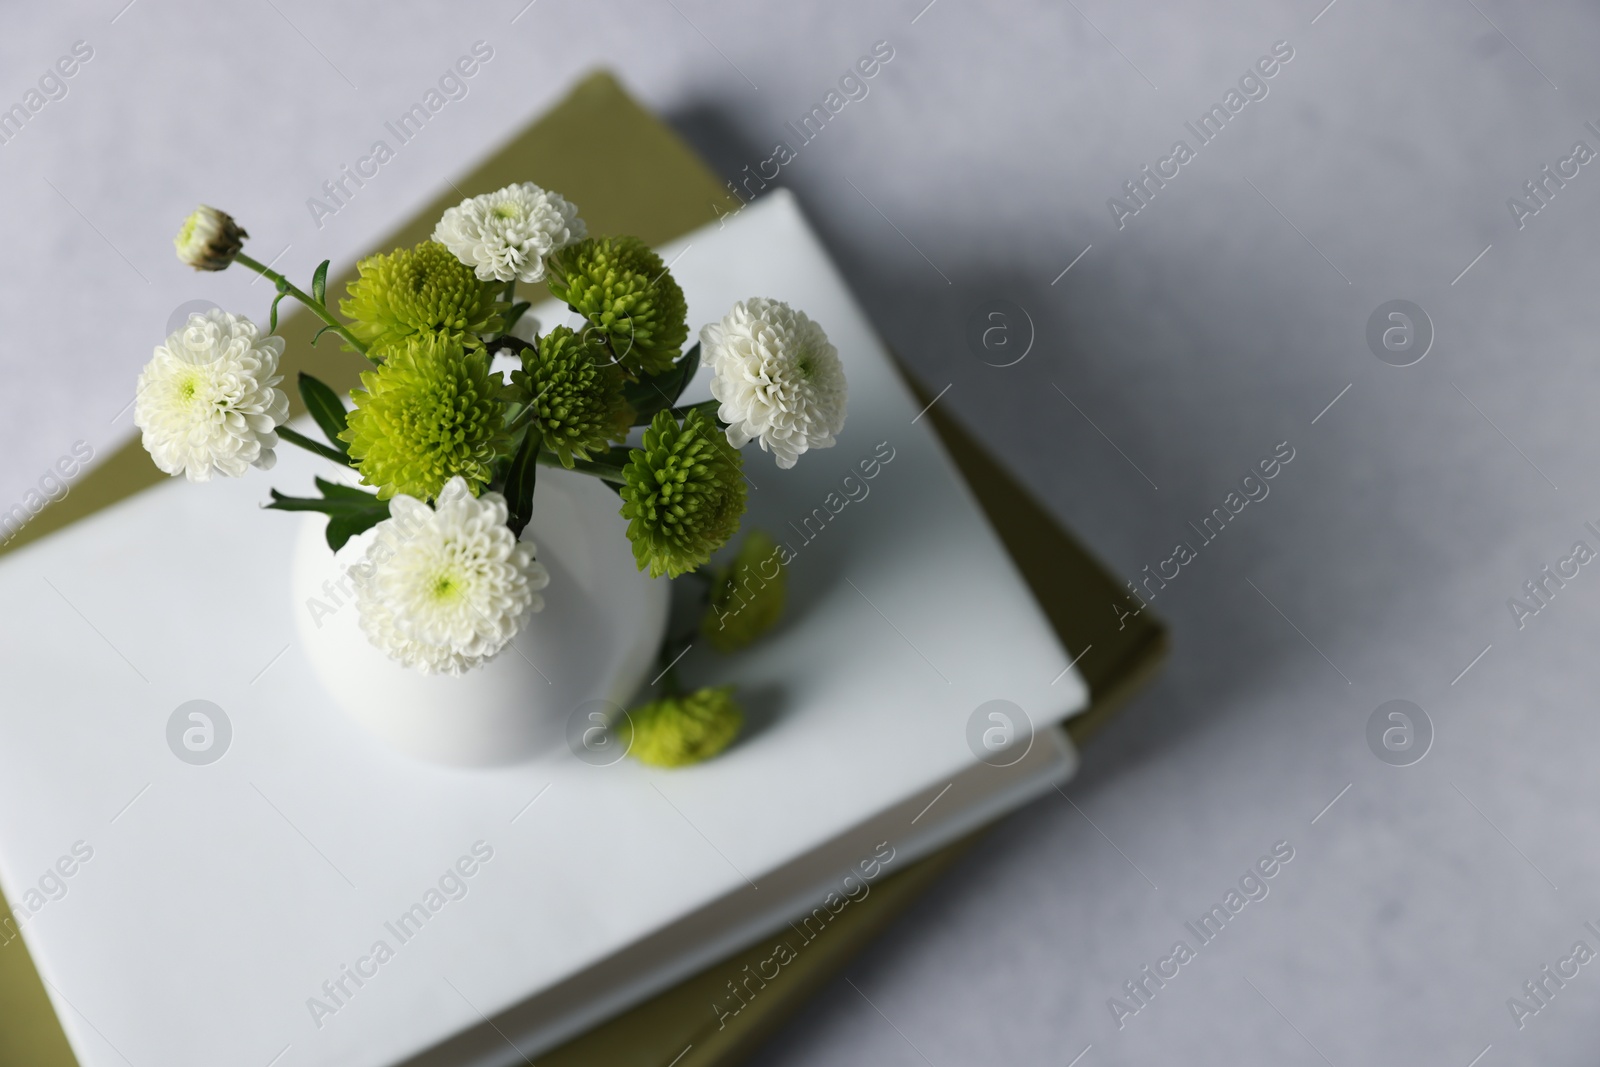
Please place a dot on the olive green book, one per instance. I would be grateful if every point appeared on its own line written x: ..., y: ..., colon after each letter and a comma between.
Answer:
x: 634, y: 175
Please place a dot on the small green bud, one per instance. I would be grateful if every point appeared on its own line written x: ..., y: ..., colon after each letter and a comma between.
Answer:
x: 676, y: 731
x: 746, y: 596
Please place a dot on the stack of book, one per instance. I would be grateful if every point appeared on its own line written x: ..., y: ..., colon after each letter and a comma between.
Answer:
x: 315, y: 897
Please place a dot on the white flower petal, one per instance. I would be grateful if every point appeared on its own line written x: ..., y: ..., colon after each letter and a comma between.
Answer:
x: 445, y: 589
x: 207, y: 401
x: 506, y: 234
x: 776, y: 378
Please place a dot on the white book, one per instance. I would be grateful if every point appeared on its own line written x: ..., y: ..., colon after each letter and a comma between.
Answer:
x: 791, y: 908
x: 318, y: 897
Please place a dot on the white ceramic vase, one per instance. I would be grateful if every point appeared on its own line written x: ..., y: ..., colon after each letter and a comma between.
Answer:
x: 596, y: 639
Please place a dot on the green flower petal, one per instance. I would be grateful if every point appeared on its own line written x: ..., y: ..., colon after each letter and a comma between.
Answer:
x: 683, y: 493
x: 430, y: 411
x: 628, y: 296
x: 747, y: 596
x: 576, y: 397
x: 420, y: 290
x: 677, y: 731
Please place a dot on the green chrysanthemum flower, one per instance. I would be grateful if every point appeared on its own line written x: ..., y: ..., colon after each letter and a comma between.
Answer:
x: 627, y: 294
x: 576, y: 397
x: 679, y: 730
x: 419, y: 290
x: 432, y: 410
x: 747, y: 596
x: 683, y: 493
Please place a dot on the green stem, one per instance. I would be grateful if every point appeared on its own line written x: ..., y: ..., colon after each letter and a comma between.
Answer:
x: 317, y: 309
x: 296, y: 438
x: 672, y: 650
x: 609, y: 472
x: 705, y: 407
x: 520, y: 416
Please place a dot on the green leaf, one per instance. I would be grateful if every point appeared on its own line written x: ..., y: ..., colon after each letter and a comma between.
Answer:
x: 687, y: 364
x: 272, y: 318
x: 651, y: 394
x: 497, y: 474
x: 515, y: 315
x: 318, y: 335
x: 608, y: 467
x: 708, y: 408
x: 294, y: 437
x: 319, y: 283
x: 341, y: 528
x: 520, y: 480
x: 350, y: 510
x: 326, y: 407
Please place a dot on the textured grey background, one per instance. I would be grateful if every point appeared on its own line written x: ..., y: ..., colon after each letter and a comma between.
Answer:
x: 1218, y: 323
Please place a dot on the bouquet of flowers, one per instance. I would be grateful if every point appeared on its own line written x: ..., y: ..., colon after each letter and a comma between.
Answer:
x: 449, y: 448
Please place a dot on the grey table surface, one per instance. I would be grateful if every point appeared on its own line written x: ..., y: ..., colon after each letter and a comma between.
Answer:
x: 1180, y: 348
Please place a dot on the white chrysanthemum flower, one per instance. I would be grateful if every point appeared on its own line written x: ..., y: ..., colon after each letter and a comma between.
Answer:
x: 209, y: 239
x: 445, y: 589
x: 206, y: 400
x: 777, y: 378
x: 506, y: 234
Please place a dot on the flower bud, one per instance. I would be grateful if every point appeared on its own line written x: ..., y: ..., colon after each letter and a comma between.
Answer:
x: 676, y: 731
x: 746, y: 596
x: 209, y: 239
